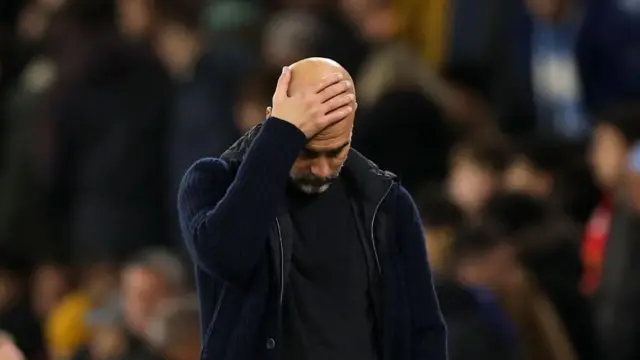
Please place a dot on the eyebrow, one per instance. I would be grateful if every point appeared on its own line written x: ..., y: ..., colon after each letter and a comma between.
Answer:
x: 335, y: 150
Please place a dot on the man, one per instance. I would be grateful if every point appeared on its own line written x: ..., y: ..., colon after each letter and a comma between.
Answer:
x: 304, y: 249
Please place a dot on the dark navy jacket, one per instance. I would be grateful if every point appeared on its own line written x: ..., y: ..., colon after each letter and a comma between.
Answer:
x: 235, y: 223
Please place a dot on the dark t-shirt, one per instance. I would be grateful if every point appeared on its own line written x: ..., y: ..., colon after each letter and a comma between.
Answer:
x: 327, y: 314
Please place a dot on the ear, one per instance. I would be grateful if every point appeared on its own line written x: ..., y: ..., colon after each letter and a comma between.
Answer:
x: 268, y: 112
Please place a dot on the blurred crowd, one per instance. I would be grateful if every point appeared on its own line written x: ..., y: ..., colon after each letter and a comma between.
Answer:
x: 515, y: 125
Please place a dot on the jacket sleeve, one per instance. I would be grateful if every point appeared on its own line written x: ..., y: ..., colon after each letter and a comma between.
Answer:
x: 225, y: 220
x: 429, y: 340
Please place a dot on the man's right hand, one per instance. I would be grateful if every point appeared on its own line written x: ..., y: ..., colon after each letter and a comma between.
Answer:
x: 314, y: 107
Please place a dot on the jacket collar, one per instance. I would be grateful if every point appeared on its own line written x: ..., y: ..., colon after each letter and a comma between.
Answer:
x: 367, y: 179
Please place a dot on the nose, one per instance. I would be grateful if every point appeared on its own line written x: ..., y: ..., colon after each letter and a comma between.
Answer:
x: 321, y: 167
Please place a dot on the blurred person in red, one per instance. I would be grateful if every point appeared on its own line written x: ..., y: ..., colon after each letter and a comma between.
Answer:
x: 610, y: 249
x: 293, y: 259
x: 614, y: 135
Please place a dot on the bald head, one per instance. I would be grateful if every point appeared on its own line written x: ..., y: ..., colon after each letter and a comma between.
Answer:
x: 320, y: 162
x: 310, y: 71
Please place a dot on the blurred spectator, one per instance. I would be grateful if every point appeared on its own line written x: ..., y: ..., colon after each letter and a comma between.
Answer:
x: 107, y: 338
x: 548, y: 246
x: 147, y: 280
x: 552, y: 170
x: 477, y: 327
x: 67, y: 330
x: 8, y: 349
x: 110, y: 115
x: 469, y: 85
x: 175, y: 330
x: 608, y: 53
x: 440, y: 219
x: 633, y: 178
x: 476, y: 171
x: 396, y: 124
x: 486, y: 260
x: 547, y: 81
x: 200, y: 119
x: 16, y: 316
x: 135, y: 18
x: 50, y: 284
x: 290, y: 36
x: 614, y: 135
x: 610, y: 249
x: 254, y: 96
x: 399, y: 101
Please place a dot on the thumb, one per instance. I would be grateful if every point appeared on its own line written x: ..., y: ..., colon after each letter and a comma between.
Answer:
x: 282, y: 87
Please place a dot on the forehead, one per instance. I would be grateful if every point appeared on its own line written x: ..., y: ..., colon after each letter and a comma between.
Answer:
x: 333, y: 136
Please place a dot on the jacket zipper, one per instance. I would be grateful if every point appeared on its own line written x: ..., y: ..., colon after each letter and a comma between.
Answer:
x: 213, y: 320
x: 373, y: 221
x: 281, y: 262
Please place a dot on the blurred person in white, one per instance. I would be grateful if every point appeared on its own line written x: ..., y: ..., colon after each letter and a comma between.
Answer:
x: 546, y: 80
x: 175, y: 330
x: 610, y: 247
x: 476, y: 171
